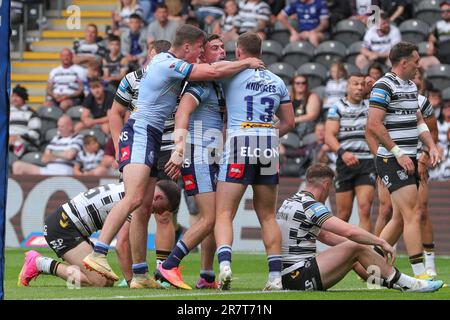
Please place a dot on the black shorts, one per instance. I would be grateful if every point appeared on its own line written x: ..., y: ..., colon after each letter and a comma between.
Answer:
x: 306, y: 278
x: 349, y: 177
x: 164, y: 157
x: 61, y: 233
x: 393, y: 176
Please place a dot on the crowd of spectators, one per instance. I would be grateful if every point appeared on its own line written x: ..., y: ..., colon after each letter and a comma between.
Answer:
x: 91, y: 71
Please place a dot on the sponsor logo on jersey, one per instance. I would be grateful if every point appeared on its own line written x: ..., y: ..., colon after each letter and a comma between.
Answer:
x: 402, y: 175
x: 63, y: 222
x: 386, y: 181
x: 295, y: 274
x: 189, y: 182
x: 125, y: 153
x: 236, y: 170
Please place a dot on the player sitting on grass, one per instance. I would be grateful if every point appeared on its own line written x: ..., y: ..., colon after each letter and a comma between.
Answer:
x: 68, y: 229
x: 303, y: 219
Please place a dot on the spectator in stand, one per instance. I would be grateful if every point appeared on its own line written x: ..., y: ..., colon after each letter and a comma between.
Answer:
x: 339, y: 10
x: 336, y: 87
x: 207, y: 12
x: 162, y: 28
x: 89, y: 159
x: 228, y: 26
x: 114, y: 63
x: 59, y: 155
x: 444, y: 124
x: 148, y: 10
x: 312, y: 16
x: 95, y: 108
x: 254, y: 15
x: 89, y: 49
x: 24, y: 123
x: 422, y: 84
x: 397, y: 10
x: 318, y: 151
x: 178, y: 10
x: 378, y: 42
x: 375, y: 71
x: 65, y: 83
x: 94, y: 71
x: 439, y: 40
x: 361, y: 10
x: 134, y: 43
x: 121, y: 16
x: 435, y: 98
x: 307, y: 106
x: 109, y: 159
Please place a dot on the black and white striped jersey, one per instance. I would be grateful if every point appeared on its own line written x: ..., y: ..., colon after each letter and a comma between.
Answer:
x: 61, y: 144
x: 427, y: 111
x: 88, y: 210
x: 89, y: 161
x: 127, y: 95
x: 399, y: 98
x: 300, y: 219
x: 352, y: 125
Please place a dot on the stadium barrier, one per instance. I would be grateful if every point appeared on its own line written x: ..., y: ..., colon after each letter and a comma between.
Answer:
x: 32, y: 198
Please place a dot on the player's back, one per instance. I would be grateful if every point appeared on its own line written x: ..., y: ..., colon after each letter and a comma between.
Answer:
x: 159, y: 89
x: 252, y: 99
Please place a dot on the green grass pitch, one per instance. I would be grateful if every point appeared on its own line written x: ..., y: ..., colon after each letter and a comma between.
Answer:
x: 250, y: 274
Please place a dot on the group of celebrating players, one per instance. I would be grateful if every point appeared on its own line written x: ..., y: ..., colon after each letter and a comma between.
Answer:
x: 177, y: 108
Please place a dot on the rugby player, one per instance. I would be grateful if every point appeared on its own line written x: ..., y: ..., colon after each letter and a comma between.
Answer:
x: 125, y: 103
x: 201, y: 112
x: 303, y: 219
x: 68, y: 229
x: 140, y: 141
x: 250, y: 157
x: 345, y: 135
x: 395, y: 122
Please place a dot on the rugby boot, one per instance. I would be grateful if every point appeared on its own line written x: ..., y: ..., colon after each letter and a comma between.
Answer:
x: 99, y: 263
x: 29, y: 269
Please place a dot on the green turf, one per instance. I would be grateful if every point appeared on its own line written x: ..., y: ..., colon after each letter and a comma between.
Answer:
x: 249, y: 271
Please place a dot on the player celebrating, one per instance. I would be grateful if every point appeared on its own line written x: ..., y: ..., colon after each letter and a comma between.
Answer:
x: 303, y: 219
x: 201, y: 111
x: 395, y: 123
x: 250, y: 157
x: 140, y: 142
x: 345, y: 135
x: 68, y: 229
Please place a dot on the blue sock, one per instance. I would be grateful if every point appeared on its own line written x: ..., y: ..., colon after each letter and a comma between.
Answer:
x: 101, y: 248
x: 224, y: 255
x: 175, y: 257
x: 140, y: 268
x: 208, y: 275
x: 274, y: 262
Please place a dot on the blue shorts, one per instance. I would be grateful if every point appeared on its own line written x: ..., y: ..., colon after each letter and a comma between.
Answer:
x: 200, y: 170
x: 251, y: 160
x: 139, y: 143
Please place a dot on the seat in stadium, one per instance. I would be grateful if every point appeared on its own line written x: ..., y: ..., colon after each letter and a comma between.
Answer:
x: 320, y: 91
x: 33, y: 158
x: 50, y: 113
x: 446, y: 94
x: 271, y: 51
x: 353, y: 51
x: 315, y: 72
x: 351, y: 68
x: 291, y: 140
x: 439, y: 76
x: 329, y: 51
x: 349, y: 31
x: 75, y: 113
x: 414, y: 30
x: 101, y: 137
x: 298, y: 53
x: 230, y: 49
x: 284, y: 70
x: 50, y: 134
x: 428, y: 11
x: 423, y: 47
x: 280, y: 34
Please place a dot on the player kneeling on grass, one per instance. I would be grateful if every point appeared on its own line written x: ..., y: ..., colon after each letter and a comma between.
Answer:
x: 68, y: 229
x: 303, y: 218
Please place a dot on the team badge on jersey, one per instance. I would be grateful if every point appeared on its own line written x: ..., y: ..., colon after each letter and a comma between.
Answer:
x: 189, y: 182
x: 402, y: 175
x: 125, y: 153
x: 236, y: 170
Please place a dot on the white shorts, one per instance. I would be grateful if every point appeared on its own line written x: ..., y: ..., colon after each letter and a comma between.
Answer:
x: 56, y: 169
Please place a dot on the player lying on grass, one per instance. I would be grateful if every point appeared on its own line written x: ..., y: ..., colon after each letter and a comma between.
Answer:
x: 68, y: 229
x: 303, y: 219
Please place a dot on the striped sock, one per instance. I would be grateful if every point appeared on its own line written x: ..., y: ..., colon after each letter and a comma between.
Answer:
x: 224, y: 256
x: 101, y: 248
x: 417, y: 264
x: 140, y: 268
x: 47, y: 265
x: 161, y: 256
x: 429, y: 256
x: 175, y: 257
x: 274, y: 262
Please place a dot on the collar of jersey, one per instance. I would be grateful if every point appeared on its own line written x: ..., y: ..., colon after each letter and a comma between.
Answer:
x: 172, y: 54
x: 308, y: 194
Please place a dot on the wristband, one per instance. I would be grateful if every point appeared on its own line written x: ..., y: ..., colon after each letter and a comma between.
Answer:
x: 421, y: 128
x: 397, y: 152
x: 340, y: 152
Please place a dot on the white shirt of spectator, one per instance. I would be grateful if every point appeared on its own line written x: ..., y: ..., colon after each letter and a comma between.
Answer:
x: 381, y: 43
x: 363, y: 7
x: 443, y: 30
x: 65, y: 81
x: 89, y: 161
x: 61, y: 144
x: 250, y: 13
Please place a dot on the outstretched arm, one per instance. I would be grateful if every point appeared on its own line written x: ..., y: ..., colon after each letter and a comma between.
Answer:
x: 222, y: 69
